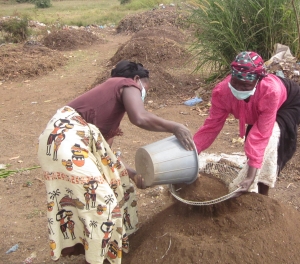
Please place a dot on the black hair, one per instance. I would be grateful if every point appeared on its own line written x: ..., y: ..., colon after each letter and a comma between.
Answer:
x: 129, y: 69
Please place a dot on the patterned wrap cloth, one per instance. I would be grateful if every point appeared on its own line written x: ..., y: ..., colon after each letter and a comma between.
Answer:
x: 248, y: 66
x: 91, y: 201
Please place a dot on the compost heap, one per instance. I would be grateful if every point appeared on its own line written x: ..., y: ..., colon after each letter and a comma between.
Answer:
x: 249, y: 229
x: 158, y: 41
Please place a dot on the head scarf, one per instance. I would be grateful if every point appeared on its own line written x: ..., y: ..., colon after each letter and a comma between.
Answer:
x: 129, y: 69
x: 248, y: 66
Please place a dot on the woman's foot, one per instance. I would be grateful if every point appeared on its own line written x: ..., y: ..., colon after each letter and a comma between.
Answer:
x: 263, y: 189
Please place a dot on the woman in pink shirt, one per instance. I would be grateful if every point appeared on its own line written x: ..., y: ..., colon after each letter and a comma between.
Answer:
x: 269, y: 106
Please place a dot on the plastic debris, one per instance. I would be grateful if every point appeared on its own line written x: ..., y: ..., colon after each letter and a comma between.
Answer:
x: 30, y: 259
x: 193, y: 101
x: 280, y: 74
x: 12, y: 249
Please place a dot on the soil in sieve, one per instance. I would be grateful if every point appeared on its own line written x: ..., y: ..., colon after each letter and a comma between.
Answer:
x: 205, y: 188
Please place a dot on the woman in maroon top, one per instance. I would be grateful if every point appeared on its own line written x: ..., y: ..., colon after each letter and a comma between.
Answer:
x: 85, y: 161
x: 105, y: 105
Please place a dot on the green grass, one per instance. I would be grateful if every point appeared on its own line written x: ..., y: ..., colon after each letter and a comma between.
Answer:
x: 225, y: 28
x: 75, y: 12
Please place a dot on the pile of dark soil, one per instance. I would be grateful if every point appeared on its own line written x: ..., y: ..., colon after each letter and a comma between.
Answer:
x: 170, y: 16
x: 205, y: 188
x: 69, y: 39
x: 250, y: 229
x: 164, y: 55
x: 18, y: 61
x: 163, y: 32
x: 151, y: 50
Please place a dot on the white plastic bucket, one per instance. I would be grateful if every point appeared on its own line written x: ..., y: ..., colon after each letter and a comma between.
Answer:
x: 166, y: 162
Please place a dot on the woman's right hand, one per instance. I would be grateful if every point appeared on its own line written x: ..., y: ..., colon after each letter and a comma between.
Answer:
x: 137, y: 179
x: 184, y: 136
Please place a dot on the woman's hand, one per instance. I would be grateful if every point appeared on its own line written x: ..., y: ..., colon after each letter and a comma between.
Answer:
x: 184, y: 136
x: 137, y: 179
x: 246, y: 183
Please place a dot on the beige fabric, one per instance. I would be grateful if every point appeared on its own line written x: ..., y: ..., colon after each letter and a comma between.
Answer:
x: 267, y: 174
x: 91, y: 201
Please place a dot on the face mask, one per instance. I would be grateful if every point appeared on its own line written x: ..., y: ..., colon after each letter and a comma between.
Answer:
x: 143, y: 91
x: 241, y: 95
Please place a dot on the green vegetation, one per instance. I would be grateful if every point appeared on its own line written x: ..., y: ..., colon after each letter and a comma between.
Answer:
x: 16, y: 29
x: 42, y: 3
x: 225, y: 28
x: 123, y: 2
x: 78, y: 12
x: 5, y: 172
x: 144, y: 4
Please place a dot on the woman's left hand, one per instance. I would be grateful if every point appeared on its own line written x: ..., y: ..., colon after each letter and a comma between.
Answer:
x: 246, y: 183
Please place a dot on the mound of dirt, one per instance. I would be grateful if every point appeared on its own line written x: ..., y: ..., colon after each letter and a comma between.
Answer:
x: 154, y: 50
x: 163, y: 57
x: 28, y: 60
x: 163, y: 85
x: 69, y: 39
x: 205, y: 188
x: 250, y: 229
x: 170, y: 16
x: 165, y: 32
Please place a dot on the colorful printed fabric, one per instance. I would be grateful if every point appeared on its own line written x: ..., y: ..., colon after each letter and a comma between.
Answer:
x: 248, y: 66
x: 91, y: 201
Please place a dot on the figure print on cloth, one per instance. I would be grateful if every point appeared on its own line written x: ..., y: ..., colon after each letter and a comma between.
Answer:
x: 90, y: 186
x: 85, y: 198
x: 126, y: 219
x: 79, y: 155
x: 93, y: 224
x: 60, y: 124
x: 57, y: 142
x: 84, y: 243
x: 64, y: 216
x: 107, y: 227
x: 85, y: 139
x: 86, y: 232
x: 114, y: 185
x: 68, y: 164
x: 60, y: 217
x: 101, y: 208
x: 114, y: 250
x: 68, y: 200
x: 52, y: 245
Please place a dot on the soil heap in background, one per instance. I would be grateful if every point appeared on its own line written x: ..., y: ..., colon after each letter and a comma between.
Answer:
x: 69, y: 39
x: 170, y: 16
x: 29, y: 60
x: 160, y: 43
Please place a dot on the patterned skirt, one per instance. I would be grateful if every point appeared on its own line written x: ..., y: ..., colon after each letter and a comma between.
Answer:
x: 91, y: 202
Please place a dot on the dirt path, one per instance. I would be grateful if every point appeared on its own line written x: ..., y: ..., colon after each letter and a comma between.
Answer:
x: 27, y: 106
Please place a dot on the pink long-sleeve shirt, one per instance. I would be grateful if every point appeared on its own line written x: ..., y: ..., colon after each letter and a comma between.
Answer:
x: 260, y: 112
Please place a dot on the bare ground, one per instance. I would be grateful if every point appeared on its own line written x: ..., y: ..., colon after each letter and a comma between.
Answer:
x: 249, y: 229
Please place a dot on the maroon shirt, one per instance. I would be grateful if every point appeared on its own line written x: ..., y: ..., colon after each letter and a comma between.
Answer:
x: 102, y: 106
